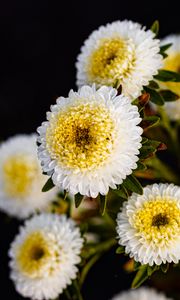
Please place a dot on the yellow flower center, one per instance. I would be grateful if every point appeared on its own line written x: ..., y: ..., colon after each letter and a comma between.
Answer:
x: 172, y: 63
x: 81, y: 137
x: 158, y: 221
x: 19, y: 173
x: 37, y: 256
x: 112, y: 60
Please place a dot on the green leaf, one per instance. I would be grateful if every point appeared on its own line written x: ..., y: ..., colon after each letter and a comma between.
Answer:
x: 169, y: 95
x: 164, y: 75
x: 78, y: 199
x: 132, y: 184
x: 164, y: 48
x: 103, y: 203
x: 48, y: 185
x: 120, y: 250
x: 155, y: 27
x: 146, y: 152
x: 151, y: 270
x: 153, y: 85
x: 140, y: 277
x: 164, y: 267
x: 121, y: 192
x: 136, y: 265
x: 144, y: 140
x: 140, y: 166
x: 155, y: 97
x: 149, y: 121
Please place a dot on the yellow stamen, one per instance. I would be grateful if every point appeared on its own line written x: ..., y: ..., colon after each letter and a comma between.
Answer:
x: 19, y: 173
x: 35, y: 254
x: 112, y: 60
x: 81, y: 137
x: 158, y: 221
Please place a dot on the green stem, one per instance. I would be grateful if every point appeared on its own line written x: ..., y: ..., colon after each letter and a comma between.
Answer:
x: 94, y: 254
x: 163, y: 170
x: 87, y: 268
x: 78, y: 292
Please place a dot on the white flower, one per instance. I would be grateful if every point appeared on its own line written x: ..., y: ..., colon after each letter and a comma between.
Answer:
x: 91, y: 141
x: 172, y: 63
x: 44, y: 256
x: 121, y: 51
x: 149, y: 225
x: 21, y: 178
x: 143, y: 293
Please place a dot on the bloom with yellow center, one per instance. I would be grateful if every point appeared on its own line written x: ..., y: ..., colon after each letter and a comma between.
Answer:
x: 91, y: 141
x: 21, y: 178
x: 149, y: 225
x: 44, y: 256
x: 143, y: 293
x: 119, y: 52
x: 172, y: 63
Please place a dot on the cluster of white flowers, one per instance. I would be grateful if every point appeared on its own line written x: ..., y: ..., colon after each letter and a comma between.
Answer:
x: 89, y: 144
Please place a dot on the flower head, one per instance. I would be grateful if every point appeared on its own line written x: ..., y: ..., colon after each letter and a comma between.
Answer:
x: 143, y: 293
x: 172, y: 63
x: 44, y: 256
x: 91, y: 141
x: 21, y: 178
x: 121, y: 51
x: 149, y: 225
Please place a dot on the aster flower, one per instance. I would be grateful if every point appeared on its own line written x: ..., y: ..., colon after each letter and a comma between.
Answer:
x: 149, y: 225
x: 21, y: 178
x: 90, y: 141
x: 44, y: 256
x: 122, y: 51
x: 143, y: 293
x: 172, y: 63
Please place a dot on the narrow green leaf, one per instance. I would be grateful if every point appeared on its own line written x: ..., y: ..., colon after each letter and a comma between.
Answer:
x: 103, y: 203
x: 153, y: 85
x: 146, y: 152
x: 121, y: 192
x: 120, y: 250
x: 155, y: 27
x: 140, y: 277
x: 78, y: 199
x: 132, y: 184
x: 151, y: 270
x: 165, y: 47
x: 136, y: 265
x: 140, y: 166
x: 48, y: 185
x: 155, y: 97
x: 149, y: 121
x: 164, y: 267
x: 169, y: 95
x: 164, y: 75
x: 144, y: 140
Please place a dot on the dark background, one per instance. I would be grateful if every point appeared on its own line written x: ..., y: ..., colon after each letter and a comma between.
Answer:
x: 39, y: 42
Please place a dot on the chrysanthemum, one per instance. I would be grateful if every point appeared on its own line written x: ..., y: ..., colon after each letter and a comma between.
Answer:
x: 121, y: 51
x: 143, y: 293
x: 21, y: 178
x: 149, y: 225
x: 44, y: 256
x: 172, y: 63
x: 91, y: 141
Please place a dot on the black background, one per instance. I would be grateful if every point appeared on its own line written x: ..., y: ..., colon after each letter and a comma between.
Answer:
x: 39, y: 42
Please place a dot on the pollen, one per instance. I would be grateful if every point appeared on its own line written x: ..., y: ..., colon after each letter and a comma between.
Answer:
x: 172, y: 63
x: 158, y: 221
x: 19, y: 172
x: 112, y: 60
x: 81, y: 137
x: 35, y: 254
